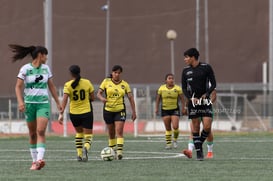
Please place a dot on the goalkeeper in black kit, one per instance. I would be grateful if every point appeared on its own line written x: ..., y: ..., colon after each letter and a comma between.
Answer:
x: 198, y: 81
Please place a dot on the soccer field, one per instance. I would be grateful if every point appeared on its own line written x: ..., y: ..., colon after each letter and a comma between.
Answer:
x: 237, y: 157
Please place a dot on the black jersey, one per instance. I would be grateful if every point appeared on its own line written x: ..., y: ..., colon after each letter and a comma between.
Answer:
x: 197, y: 81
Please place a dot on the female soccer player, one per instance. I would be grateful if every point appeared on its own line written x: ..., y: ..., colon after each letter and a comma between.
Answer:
x: 35, y: 77
x: 114, y: 112
x: 80, y: 91
x: 169, y: 94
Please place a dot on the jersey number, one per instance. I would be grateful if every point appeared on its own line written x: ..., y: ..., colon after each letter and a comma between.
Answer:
x: 77, y: 95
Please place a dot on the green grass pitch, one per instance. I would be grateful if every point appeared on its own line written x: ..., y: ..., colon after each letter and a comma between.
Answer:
x: 237, y: 157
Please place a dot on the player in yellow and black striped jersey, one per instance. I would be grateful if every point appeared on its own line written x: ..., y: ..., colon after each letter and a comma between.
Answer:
x: 169, y: 94
x: 80, y: 91
x: 114, y: 111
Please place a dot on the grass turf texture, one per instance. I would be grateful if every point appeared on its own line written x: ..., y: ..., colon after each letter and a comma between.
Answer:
x: 236, y: 157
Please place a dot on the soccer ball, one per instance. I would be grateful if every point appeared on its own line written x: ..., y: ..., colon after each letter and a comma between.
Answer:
x: 107, y: 154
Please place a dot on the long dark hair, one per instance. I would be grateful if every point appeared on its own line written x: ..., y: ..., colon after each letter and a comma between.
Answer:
x: 21, y: 51
x: 75, y: 70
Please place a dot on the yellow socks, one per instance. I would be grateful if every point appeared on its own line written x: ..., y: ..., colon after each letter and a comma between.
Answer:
x: 112, y: 143
x: 120, y: 142
x: 78, y: 143
x: 168, y: 136
x: 88, y: 138
x: 175, y: 134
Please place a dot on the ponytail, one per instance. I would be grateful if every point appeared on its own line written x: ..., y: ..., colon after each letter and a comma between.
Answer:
x: 21, y: 51
x: 75, y: 70
x: 75, y: 83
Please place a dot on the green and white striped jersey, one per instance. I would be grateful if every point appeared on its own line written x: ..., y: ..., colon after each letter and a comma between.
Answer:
x: 35, y: 80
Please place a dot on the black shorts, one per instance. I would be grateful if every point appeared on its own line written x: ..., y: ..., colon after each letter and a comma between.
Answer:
x: 85, y: 120
x: 173, y: 112
x: 111, y: 117
x: 199, y: 111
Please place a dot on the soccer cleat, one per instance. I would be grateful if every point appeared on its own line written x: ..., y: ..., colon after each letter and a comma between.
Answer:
x: 115, y: 155
x: 85, y: 155
x: 175, y: 144
x: 199, y: 155
x: 209, y: 155
x: 33, y: 166
x: 79, y: 158
x: 168, y: 146
x: 119, y: 156
x: 40, y: 164
x: 187, y: 153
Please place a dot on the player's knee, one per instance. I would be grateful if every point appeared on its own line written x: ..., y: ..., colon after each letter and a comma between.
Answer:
x: 207, y: 129
x: 33, y: 136
x: 41, y: 132
x: 175, y: 127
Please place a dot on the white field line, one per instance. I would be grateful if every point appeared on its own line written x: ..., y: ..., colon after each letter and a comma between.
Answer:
x: 131, y: 158
x: 129, y: 155
x: 150, y: 155
x: 162, y: 140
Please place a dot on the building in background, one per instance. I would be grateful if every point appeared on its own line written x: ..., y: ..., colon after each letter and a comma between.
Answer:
x: 238, y: 37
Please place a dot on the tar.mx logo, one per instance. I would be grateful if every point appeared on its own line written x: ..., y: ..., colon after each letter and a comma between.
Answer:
x: 201, y: 101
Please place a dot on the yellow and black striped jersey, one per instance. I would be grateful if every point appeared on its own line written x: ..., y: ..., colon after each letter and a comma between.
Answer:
x: 79, y: 97
x: 169, y: 96
x: 114, y: 94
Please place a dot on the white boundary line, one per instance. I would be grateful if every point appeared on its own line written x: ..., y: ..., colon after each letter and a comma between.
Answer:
x: 129, y: 155
x: 179, y: 140
x: 158, y: 155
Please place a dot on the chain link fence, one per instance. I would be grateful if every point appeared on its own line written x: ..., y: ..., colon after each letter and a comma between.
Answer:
x: 239, y: 107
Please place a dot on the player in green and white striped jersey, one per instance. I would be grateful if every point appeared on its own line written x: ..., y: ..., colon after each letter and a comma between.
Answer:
x: 35, y: 78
